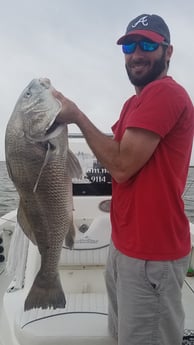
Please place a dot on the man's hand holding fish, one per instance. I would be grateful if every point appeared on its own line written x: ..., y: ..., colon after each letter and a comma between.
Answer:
x: 69, y: 112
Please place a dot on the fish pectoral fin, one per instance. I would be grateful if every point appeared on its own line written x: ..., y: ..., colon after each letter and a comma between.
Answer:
x: 46, y: 159
x: 69, y: 237
x: 74, y: 167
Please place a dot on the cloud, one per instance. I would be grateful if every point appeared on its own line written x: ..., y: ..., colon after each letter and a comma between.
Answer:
x: 74, y: 44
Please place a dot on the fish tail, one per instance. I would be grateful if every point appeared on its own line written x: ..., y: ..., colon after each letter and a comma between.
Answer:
x: 45, y: 293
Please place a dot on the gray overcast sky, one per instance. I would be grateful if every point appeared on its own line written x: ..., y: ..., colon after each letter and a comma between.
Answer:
x: 73, y: 42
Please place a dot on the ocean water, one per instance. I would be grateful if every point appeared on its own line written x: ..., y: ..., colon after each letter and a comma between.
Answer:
x: 9, y: 197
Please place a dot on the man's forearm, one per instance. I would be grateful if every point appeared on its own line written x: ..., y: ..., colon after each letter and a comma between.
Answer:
x: 103, y: 146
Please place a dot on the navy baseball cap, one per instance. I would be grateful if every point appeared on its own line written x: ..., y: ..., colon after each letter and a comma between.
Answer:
x: 150, y: 26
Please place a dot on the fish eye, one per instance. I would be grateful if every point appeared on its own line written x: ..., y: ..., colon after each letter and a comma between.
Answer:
x: 28, y: 94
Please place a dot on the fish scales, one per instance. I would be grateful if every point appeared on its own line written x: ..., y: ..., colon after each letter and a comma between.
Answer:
x: 39, y: 165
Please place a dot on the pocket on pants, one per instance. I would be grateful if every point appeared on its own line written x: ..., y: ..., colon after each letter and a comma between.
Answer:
x: 155, y: 273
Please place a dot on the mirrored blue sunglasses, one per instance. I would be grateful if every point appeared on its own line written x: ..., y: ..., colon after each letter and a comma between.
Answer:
x: 145, y: 46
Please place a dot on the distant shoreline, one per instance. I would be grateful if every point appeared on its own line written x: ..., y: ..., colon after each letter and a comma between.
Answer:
x: 190, y: 166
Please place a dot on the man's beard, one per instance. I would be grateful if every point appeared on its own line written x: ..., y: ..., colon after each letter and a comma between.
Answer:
x: 157, y: 68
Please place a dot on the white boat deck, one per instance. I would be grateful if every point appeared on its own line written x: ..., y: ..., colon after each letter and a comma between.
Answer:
x: 81, y: 297
x: 96, y: 302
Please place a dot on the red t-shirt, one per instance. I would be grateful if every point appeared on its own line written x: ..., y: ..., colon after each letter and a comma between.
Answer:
x: 147, y: 211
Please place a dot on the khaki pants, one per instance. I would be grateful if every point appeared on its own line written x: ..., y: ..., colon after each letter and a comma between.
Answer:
x: 145, y: 300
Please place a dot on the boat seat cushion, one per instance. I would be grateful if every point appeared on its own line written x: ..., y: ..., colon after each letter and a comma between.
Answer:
x: 82, y: 322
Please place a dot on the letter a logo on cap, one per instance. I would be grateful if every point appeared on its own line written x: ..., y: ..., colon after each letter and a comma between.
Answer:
x: 142, y: 20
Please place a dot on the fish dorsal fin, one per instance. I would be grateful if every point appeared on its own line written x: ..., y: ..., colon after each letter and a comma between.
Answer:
x: 74, y: 167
